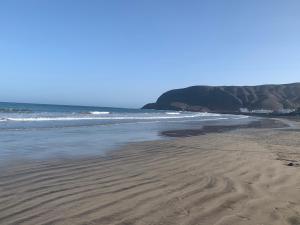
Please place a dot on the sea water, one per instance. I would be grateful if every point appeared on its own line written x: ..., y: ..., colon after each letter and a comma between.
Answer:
x: 40, y: 131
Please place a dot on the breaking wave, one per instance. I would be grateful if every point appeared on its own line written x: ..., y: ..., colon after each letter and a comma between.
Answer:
x: 173, y: 113
x: 98, y: 113
x: 116, y: 117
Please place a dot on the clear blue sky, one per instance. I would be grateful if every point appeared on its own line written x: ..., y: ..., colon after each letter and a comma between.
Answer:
x: 126, y: 53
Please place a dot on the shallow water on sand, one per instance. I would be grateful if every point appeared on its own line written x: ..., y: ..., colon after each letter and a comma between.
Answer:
x: 31, y: 131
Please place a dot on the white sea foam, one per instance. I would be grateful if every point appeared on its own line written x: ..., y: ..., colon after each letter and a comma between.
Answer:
x: 173, y: 113
x: 210, y: 114
x: 99, y: 113
x: 241, y: 117
x: 33, y: 119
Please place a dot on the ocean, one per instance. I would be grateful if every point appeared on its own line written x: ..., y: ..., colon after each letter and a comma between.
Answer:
x: 41, y: 131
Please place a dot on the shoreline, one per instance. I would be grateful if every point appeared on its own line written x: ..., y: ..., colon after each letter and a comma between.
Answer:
x: 182, y: 133
x: 115, y: 153
x: 240, y: 177
x: 261, y: 123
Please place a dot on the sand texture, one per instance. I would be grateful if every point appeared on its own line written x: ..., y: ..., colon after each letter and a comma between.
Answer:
x: 239, y: 177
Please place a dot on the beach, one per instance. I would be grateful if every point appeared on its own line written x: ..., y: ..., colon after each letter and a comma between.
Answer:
x: 241, y: 176
x: 150, y: 112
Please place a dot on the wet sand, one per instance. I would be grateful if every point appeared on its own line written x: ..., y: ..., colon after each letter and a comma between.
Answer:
x: 262, y: 123
x: 238, y: 177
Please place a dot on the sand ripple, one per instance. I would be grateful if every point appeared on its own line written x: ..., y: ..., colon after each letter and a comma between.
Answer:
x: 240, y: 177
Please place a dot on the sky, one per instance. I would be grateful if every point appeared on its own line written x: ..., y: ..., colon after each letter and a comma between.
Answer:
x: 125, y: 53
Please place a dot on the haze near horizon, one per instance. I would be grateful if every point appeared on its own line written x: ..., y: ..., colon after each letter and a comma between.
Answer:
x: 126, y: 54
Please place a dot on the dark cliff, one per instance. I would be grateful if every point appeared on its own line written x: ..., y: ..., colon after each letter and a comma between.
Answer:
x: 230, y: 98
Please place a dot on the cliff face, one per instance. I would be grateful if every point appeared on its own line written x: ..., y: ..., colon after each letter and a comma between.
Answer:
x: 230, y: 98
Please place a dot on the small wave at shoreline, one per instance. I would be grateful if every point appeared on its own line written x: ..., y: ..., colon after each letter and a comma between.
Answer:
x: 173, y: 113
x: 98, y: 113
x: 129, y: 117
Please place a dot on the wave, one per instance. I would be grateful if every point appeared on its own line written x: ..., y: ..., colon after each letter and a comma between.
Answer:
x: 33, y: 119
x: 241, y: 117
x: 173, y: 113
x: 98, y: 113
x: 202, y: 113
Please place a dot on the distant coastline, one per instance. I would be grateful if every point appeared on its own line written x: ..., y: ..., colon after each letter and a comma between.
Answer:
x: 249, y: 100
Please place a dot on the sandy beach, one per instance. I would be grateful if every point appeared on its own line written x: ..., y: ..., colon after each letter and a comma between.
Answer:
x: 238, y: 177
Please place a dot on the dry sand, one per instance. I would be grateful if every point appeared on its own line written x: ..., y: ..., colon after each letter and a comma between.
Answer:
x: 237, y: 177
